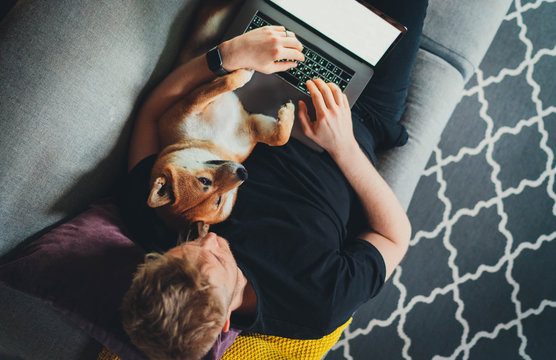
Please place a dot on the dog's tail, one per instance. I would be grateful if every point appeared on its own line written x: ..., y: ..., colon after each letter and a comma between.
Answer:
x: 212, y: 18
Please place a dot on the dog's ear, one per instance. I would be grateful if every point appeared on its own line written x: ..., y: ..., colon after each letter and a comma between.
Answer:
x: 160, y: 193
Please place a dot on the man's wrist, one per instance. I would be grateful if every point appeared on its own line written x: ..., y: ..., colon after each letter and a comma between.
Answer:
x: 345, y: 152
x: 227, y: 53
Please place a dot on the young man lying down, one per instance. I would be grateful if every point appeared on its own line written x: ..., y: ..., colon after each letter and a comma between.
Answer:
x: 312, y: 235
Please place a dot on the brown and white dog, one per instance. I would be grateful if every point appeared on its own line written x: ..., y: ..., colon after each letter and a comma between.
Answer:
x: 205, y: 137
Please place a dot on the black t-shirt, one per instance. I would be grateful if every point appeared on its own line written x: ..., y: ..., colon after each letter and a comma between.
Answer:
x: 291, y: 235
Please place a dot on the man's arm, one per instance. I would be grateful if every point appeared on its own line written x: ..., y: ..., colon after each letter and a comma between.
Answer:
x: 389, y: 229
x: 259, y: 50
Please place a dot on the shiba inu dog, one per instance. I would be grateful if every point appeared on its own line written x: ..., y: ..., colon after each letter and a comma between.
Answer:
x: 205, y: 137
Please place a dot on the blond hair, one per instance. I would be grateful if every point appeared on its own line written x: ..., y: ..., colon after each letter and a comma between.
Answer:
x: 171, y: 311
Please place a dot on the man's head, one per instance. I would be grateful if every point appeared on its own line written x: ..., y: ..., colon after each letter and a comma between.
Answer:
x: 180, y: 301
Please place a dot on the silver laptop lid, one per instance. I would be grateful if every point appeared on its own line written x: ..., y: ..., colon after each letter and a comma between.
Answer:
x: 266, y: 93
x: 363, y: 31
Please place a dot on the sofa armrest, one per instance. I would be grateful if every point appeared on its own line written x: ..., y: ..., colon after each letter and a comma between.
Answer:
x: 456, y: 36
x: 435, y: 91
x: 460, y: 32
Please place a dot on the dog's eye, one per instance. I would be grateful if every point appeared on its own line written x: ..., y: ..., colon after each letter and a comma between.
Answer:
x: 216, y: 162
x: 205, y: 181
x: 219, y: 200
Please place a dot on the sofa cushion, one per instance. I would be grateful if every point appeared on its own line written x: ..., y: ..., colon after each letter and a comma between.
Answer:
x: 70, y: 76
x: 31, y: 329
x: 83, y: 268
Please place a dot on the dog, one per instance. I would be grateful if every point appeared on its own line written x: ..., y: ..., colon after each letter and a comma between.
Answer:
x: 205, y: 137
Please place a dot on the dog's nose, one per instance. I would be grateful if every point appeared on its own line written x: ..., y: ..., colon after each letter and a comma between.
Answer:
x: 241, y: 173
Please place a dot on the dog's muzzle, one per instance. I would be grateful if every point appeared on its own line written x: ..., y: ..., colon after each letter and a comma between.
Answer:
x: 231, y: 167
x: 241, y: 173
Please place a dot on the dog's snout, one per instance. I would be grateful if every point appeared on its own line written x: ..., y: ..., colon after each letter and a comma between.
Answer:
x: 230, y: 169
x: 241, y: 173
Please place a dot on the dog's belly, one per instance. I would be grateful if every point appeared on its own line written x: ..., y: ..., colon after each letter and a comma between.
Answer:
x: 223, y: 122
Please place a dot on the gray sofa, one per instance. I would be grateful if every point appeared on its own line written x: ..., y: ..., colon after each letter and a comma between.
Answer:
x: 66, y: 116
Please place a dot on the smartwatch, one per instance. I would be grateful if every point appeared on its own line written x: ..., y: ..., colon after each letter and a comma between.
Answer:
x: 214, y: 61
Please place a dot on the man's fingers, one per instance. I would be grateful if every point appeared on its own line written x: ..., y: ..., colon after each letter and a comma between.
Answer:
x: 282, y: 66
x: 326, y: 93
x: 283, y: 31
x: 337, y: 93
x: 292, y: 43
x: 291, y: 54
x: 317, y: 98
x: 278, y: 28
x: 345, y: 101
x: 304, y: 119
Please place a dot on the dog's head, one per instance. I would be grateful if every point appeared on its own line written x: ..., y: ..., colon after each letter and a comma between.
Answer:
x: 194, y: 185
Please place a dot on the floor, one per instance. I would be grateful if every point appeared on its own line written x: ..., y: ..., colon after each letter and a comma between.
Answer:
x: 479, y: 278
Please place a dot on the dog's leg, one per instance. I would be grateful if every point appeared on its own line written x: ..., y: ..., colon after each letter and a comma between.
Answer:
x: 197, y: 100
x: 271, y: 131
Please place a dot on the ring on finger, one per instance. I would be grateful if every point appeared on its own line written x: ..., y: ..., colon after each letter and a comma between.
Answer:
x: 287, y: 33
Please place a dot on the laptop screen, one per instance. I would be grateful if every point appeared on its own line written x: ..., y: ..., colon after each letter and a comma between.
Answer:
x: 348, y: 23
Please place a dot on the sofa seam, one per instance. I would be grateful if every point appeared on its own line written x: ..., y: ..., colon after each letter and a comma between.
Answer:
x: 452, y: 52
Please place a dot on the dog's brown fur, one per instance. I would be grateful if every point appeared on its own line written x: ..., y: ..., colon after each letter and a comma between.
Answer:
x: 205, y: 136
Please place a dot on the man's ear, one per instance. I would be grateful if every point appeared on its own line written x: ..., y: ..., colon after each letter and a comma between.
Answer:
x: 161, y: 193
x: 226, y: 326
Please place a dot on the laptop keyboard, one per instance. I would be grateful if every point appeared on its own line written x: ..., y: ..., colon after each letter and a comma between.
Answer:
x: 317, y: 64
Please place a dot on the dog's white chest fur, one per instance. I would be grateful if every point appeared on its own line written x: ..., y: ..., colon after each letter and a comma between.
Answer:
x: 223, y: 121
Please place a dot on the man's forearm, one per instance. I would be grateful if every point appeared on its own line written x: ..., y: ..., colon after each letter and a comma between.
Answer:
x: 388, y: 227
x: 384, y: 212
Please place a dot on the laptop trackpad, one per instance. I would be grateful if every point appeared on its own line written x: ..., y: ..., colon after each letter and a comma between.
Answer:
x: 265, y: 94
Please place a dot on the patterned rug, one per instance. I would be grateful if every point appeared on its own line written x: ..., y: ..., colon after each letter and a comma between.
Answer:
x: 479, y: 280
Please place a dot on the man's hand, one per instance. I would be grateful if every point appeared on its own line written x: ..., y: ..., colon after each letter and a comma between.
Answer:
x: 332, y: 129
x: 266, y: 50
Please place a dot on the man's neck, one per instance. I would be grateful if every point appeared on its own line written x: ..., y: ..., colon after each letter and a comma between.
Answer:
x: 245, y: 298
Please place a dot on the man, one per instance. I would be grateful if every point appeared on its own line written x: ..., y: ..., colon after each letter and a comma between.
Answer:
x: 312, y: 235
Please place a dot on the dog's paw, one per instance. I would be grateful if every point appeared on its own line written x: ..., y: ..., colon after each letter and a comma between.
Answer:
x: 284, y: 123
x: 240, y: 77
x: 286, y: 112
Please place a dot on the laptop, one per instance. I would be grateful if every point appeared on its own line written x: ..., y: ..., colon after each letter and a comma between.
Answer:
x: 343, y: 41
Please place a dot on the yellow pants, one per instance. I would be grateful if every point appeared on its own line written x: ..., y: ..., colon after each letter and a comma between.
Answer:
x: 251, y: 346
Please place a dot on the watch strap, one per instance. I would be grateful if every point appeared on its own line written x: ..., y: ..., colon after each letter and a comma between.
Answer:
x: 214, y: 61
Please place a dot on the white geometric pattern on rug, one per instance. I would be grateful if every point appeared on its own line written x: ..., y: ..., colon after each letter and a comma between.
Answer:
x: 451, y: 216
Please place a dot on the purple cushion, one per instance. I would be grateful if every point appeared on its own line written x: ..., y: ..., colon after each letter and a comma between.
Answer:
x: 83, y: 268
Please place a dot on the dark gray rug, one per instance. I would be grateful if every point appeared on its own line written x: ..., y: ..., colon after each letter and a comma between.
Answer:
x: 479, y: 280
